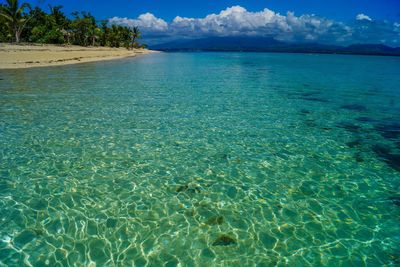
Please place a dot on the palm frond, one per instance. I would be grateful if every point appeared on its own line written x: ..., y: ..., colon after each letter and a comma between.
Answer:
x: 23, y: 7
x: 6, y: 16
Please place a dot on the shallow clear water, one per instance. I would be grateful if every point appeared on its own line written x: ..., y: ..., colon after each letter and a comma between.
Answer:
x: 202, y: 159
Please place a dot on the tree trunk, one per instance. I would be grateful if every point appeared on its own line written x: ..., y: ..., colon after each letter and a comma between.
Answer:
x: 17, y: 36
x: 133, y: 42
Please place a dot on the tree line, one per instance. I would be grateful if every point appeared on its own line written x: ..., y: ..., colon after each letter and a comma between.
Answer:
x: 19, y: 22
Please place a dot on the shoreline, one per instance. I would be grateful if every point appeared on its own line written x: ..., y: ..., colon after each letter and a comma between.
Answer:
x: 22, y: 56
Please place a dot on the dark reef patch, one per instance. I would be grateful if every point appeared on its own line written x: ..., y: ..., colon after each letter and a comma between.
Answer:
x: 354, y: 107
x: 385, y: 154
x: 224, y: 240
x: 358, y: 157
x: 365, y: 119
x: 389, y: 129
x: 325, y: 128
x: 182, y: 188
x: 351, y: 127
x: 188, y: 188
x: 305, y: 111
x: 39, y: 232
x: 380, y: 149
x: 395, y: 200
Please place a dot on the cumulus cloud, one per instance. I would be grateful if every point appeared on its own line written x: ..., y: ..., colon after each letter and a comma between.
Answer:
x: 363, y: 17
x: 233, y: 21
x: 237, y: 21
x: 145, y: 21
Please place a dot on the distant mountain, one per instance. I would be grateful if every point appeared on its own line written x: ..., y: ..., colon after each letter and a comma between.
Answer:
x: 263, y: 44
x: 375, y: 49
x: 220, y: 44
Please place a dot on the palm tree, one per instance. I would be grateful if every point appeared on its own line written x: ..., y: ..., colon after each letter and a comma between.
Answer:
x: 67, y: 35
x: 13, y: 13
x: 135, y: 34
x: 96, y: 33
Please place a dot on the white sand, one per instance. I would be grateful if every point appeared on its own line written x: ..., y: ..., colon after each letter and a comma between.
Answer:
x: 28, y: 56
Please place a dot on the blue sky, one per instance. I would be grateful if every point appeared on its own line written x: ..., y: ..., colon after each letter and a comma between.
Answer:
x: 324, y: 21
x: 342, y: 10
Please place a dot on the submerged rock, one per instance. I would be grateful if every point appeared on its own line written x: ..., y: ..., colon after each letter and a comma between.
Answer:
x: 182, y: 188
x: 39, y: 232
x: 188, y: 188
x: 325, y: 128
x: 224, y: 240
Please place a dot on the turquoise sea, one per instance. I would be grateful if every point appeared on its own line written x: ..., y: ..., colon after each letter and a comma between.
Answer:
x: 202, y: 159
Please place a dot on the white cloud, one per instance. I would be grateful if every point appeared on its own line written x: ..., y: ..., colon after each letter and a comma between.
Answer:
x: 232, y: 21
x: 237, y: 21
x: 363, y: 17
x: 147, y: 22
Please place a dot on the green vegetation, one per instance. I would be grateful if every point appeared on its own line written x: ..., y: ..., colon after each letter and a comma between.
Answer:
x: 13, y: 16
x: 19, y: 22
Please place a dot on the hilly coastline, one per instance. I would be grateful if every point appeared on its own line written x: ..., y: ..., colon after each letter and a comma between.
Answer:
x: 263, y: 44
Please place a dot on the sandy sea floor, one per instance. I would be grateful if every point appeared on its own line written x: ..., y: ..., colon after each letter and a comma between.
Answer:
x: 202, y: 159
x: 27, y: 56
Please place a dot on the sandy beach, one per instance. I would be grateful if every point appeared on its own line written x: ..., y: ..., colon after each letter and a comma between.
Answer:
x: 28, y: 56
